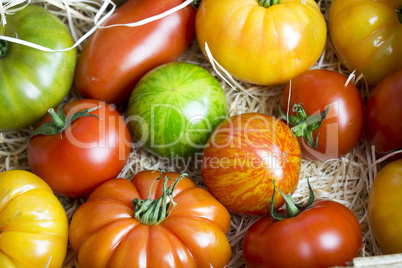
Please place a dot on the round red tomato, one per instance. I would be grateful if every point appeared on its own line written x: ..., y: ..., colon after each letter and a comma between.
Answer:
x: 114, y: 59
x: 326, y: 234
x: 119, y: 225
x: 242, y: 157
x: 89, y: 151
x: 318, y: 92
x: 384, y: 115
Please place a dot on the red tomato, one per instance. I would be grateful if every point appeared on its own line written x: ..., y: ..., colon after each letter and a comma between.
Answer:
x: 242, y: 157
x: 384, y: 115
x: 114, y: 59
x: 108, y: 231
x: 343, y: 126
x: 326, y: 234
x: 88, y: 152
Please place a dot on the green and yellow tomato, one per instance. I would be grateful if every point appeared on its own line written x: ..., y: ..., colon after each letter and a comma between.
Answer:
x: 262, y: 42
x: 174, y: 108
x: 32, y: 81
x: 33, y: 223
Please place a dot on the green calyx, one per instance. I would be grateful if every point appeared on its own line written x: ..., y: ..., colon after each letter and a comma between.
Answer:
x: 154, y: 211
x: 292, y: 209
x: 304, y: 125
x: 268, y: 3
x: 3, y: 49
x: 399, y: 11
x: 59, y: 121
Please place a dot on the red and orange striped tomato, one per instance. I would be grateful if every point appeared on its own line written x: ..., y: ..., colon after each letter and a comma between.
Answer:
x: 243, y: 156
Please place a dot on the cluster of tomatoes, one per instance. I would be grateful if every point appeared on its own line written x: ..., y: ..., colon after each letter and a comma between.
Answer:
x: 250, y: 162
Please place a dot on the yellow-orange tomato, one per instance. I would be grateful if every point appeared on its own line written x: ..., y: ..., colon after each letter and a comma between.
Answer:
x: 385, y: 205
x: 33, y: 223
x: 262, y: 45
x: 367, y: 35
x: 110, y: 230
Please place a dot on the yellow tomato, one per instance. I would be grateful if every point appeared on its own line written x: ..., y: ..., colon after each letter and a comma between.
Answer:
x: 385, y: 205
x: 262, y: 45
x: 33, y: 223
x: 367, y: 35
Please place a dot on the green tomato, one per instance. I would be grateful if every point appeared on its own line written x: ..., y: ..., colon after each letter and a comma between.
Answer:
x: 174, y: 108
x: 32, y: 81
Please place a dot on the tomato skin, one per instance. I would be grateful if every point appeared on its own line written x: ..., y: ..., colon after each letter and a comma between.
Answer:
x: 31, y: 80
x: 384, y: 114
x: 343, y: 127
x: 242, y: 157
x: 367, y: 35
x: 33, y: 223
x: 89, y: 152
x: 193, y: 235
x: 114, y: 59
x: 327, y: 234
x: 384, y: 207
x: 271, y: 45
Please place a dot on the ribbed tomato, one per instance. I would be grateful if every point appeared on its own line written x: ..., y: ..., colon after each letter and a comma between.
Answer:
x: 126, y: 224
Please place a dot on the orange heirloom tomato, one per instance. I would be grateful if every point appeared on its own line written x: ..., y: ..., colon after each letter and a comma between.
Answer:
x: 367, y: 35
x: 385, y: 205
x: 259, y: 41
x: 119, y: 227
x: 33, y: 223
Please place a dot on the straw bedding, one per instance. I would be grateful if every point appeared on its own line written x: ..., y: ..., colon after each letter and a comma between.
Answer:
x: 346, y: 180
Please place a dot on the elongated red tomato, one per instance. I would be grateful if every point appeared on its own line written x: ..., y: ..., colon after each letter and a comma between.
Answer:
x: 114, y: 59
x: 111, y: 230
x: 242, y: 157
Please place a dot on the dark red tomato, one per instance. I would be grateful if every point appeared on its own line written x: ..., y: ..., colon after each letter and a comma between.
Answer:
x: 115, y: 58
x: 88, y: 152
x: 326, y: 234
x: 384, y: 115
x: 343, y: 126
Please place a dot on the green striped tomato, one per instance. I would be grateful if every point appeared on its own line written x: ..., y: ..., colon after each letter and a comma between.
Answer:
x: 32, y: 81
x: 174, y: 108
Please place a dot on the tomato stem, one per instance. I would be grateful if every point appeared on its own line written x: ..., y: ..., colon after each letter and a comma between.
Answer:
x: 292, y: 209
x: 3, y: 49
x: 59, y: 121
x: 268, y: 3
x: 154, y: 211
x: 304, y: 125
x: 399, y: 11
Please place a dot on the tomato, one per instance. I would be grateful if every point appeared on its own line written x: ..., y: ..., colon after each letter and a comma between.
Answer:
x: 33, y: 223
x: 323, y: 234
x: 367, y: 35
x: 174, y: 108
x: 86, y: 153
x: 114, y: 59
x: 32, y: 81
x: 111, y: 229
x: 242, y: 157
x: 384, y: 206
x: 262, y: 45
x: 384, y: 115
x: 342, y: 127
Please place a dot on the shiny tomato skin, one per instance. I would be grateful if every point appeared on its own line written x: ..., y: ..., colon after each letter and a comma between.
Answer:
x: 243, y: 156
x: 266, y: 46
x: 104, y: 233
x: 384, y: 115
x: 343, y: 127
x: 384, y: 207
x: 89, y: 152
x: 114, y: 59
x: 327, y: 234
x: 367, y: 35
x: 33, y: 223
